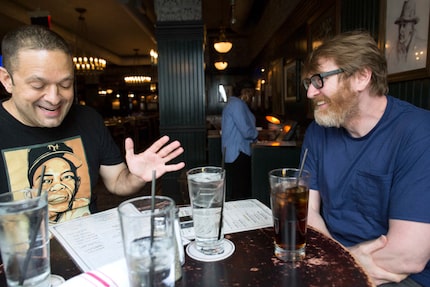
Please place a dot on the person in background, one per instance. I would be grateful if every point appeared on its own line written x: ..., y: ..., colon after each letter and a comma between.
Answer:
x: 238, y: 132
x: 38, y: 72
x: 369, y: 159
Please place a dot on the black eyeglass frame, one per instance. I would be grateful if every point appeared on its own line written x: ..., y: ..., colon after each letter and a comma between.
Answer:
x: 313, y: 79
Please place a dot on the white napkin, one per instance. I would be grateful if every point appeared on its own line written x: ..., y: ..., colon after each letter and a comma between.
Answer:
x: 111, y: 275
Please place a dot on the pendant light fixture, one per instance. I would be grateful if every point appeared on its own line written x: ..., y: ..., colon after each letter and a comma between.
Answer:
x: 221, y: 65
x: 85, y: 63
x: 222, y: 45
x: 135, y: 78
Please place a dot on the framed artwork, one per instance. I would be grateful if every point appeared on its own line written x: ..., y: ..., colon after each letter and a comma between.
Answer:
x: 275, y: 86
x: 292, y: 71
x: 404, y: 38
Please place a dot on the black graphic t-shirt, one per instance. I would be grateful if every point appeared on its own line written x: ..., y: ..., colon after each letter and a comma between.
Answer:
x: 71, y: 155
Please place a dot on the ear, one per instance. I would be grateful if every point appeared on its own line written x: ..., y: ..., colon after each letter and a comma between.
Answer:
x: 362, y: 79
x: 6, y: 80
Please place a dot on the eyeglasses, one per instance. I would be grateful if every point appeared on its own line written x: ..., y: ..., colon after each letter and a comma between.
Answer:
x: 317, y: 80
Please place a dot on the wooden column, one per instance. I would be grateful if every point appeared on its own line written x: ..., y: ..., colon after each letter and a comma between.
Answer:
x: 182, y: 104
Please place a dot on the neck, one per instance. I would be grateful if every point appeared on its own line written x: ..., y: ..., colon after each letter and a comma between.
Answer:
x: 371, y: 110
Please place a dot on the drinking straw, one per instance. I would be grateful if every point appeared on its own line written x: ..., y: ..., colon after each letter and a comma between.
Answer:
x: 39, y: 190
x: 153, y: 192
x: 302, y: 165
x: 152, y: 207
x: 223, y: 157
x: 151, y: 238
x: 222, y: 205
x: 33, y: 233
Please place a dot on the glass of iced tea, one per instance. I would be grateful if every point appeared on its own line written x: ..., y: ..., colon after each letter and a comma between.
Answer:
x: 289, y: 194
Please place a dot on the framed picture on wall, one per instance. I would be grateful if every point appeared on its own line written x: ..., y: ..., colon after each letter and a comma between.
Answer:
x: 275, y: 86
x: 292, y: 83
x: 404, y: 38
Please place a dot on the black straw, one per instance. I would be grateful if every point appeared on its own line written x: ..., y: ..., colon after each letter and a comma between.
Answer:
x: 224, y: 150
x: 33, y: 234
x: 305, y: 154
x: 152, y: 206
x: 222, y: 207
x: 151, y: 238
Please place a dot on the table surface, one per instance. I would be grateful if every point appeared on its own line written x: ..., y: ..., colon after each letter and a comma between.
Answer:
x: 327, y: 263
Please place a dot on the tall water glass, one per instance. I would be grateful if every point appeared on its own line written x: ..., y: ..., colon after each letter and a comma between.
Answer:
x: 149, y: 240
x: 206, y: 186
x: 24, y: 238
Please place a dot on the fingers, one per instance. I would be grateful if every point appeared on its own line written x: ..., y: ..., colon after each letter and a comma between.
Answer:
x: 157, y: 145
x: 388, y: 277
x: 129, y: 146
x: 171, y: 151
x: 363, y: 252
x: 374, y: 245
x: 174, y: 167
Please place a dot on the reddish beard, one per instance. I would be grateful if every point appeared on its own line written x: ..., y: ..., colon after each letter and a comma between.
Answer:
x: 340, y: 107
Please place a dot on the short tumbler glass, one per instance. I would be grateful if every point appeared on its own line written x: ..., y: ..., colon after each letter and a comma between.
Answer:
x: 149, y: 240
x: 24, y: 238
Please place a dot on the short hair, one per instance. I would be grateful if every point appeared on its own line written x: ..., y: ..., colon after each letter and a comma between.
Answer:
x: 352, y: 51
x: 30, y: 37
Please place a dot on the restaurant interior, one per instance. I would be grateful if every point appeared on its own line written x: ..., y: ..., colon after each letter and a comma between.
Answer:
x: 155, y: 69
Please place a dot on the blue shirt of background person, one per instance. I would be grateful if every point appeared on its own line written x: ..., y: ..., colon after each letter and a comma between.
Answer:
x: 238, y: 129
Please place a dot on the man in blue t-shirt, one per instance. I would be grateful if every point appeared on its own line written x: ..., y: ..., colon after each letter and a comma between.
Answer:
x: 369, y: 157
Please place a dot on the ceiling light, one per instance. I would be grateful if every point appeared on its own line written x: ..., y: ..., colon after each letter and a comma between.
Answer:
x: 222, y: 45
x: 154, y: 57
x: 135, y: 78
x: 83, y: 62
x: 221, y: 65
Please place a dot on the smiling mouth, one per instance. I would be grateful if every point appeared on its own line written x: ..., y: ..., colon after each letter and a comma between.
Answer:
x: 319, y: 103
x: 51, y: 109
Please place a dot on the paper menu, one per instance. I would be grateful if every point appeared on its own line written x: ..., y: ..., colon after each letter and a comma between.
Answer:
x: 94, y: 241
x: 240, y: 215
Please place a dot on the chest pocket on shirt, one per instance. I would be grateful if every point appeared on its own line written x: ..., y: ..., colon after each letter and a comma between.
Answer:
x: 371, y: 194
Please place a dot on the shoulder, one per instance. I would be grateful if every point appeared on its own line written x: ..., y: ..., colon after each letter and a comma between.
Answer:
x: 409, y: 122
x: 406, y: 110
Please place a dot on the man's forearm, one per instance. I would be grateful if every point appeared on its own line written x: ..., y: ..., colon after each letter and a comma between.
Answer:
x: 125, y: 184
x: 316, y: 221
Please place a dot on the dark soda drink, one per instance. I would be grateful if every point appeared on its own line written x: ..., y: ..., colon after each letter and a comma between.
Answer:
x: 290, y: 210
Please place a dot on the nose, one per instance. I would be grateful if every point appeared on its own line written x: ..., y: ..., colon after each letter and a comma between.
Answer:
x: 311, y: 92
x: 52, y: 95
